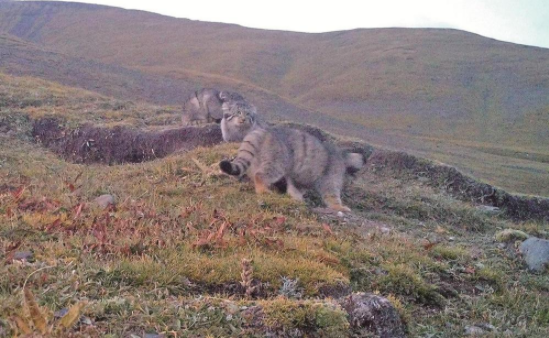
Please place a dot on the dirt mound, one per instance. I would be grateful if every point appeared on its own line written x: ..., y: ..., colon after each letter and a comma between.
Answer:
x: 92, y: 144
x: 460, y: 185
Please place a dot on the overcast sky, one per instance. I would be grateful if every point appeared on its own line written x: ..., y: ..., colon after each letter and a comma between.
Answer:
x: 518, y: 21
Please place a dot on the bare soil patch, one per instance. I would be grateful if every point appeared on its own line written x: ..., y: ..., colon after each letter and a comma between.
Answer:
x: 121, y: 144
x: 461, y: 186
x: 92, y: 144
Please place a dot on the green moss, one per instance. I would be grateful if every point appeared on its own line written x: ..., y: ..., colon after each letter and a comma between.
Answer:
x: 450, y: 253
x: 324, y: 319
x: 401, y: 279
x: 212, y: 269
x: 509, y: 235
x: 491, y: 276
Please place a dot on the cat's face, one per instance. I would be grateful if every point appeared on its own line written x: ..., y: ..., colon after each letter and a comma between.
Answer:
x: 238, y: 113
x: 238, y: 119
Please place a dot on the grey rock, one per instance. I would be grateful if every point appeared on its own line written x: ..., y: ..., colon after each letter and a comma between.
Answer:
x: 488, y: 209
x: 487, y: 326
x: 61, y: 313
x: 474, y: 331
x: 86, y: 320
x: 372, y: 314
x: 104, y: 201
x: 536, y: 253
x: 23, y: 256
x: 153, y: 335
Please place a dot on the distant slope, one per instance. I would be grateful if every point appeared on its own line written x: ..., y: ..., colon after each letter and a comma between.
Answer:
x: 427, y: 72
x: 474, y: 102
x: 22, y: 58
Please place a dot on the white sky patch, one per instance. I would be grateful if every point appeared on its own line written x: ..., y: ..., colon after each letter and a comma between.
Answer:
x: 518, y: 21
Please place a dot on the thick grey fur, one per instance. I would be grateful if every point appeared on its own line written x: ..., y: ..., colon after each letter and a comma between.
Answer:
x: 239, y: 117
x: 269, y: 155
x: 203, y: 106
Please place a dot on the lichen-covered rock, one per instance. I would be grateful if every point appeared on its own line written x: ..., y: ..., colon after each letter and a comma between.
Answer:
x: 536, y: 253
x: 369, y: 313
x: 508, y: 235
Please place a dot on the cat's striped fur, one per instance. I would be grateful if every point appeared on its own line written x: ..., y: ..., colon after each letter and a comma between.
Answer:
x: 269, y: 155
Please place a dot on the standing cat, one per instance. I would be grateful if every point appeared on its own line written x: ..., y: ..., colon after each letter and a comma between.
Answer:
x: 269, y: 155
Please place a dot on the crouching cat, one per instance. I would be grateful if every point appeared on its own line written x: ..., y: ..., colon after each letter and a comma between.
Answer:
x: 204, y: 105
x: 269, y: 155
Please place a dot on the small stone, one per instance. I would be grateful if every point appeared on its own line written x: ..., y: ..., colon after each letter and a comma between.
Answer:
x: 487, y: 326
x: 85, y: 320
x: 509, y: 235
x: 488, y: 209
x: 451, y: 239
x: 536, y: 253
x: 153, y: 335
x: 423, y: 179
x: 23, y: 256
x: 104, y: 201
x: 474, y: 331
x: 340, y: 214
x: 61, y: 313
x: 385, y: 230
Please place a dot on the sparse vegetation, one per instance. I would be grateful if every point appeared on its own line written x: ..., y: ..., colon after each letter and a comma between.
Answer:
x: 168, y: 257
x: 475, y: 103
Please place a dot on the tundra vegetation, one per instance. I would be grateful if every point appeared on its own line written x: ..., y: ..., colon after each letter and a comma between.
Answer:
x: 186, y: 251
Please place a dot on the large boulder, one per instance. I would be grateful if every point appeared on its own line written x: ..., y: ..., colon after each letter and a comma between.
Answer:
x: 536, y: 253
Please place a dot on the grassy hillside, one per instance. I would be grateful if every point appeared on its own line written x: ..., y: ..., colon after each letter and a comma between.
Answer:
x: 168, y: 258
x: 23, y: 58
x: 469, y: 101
